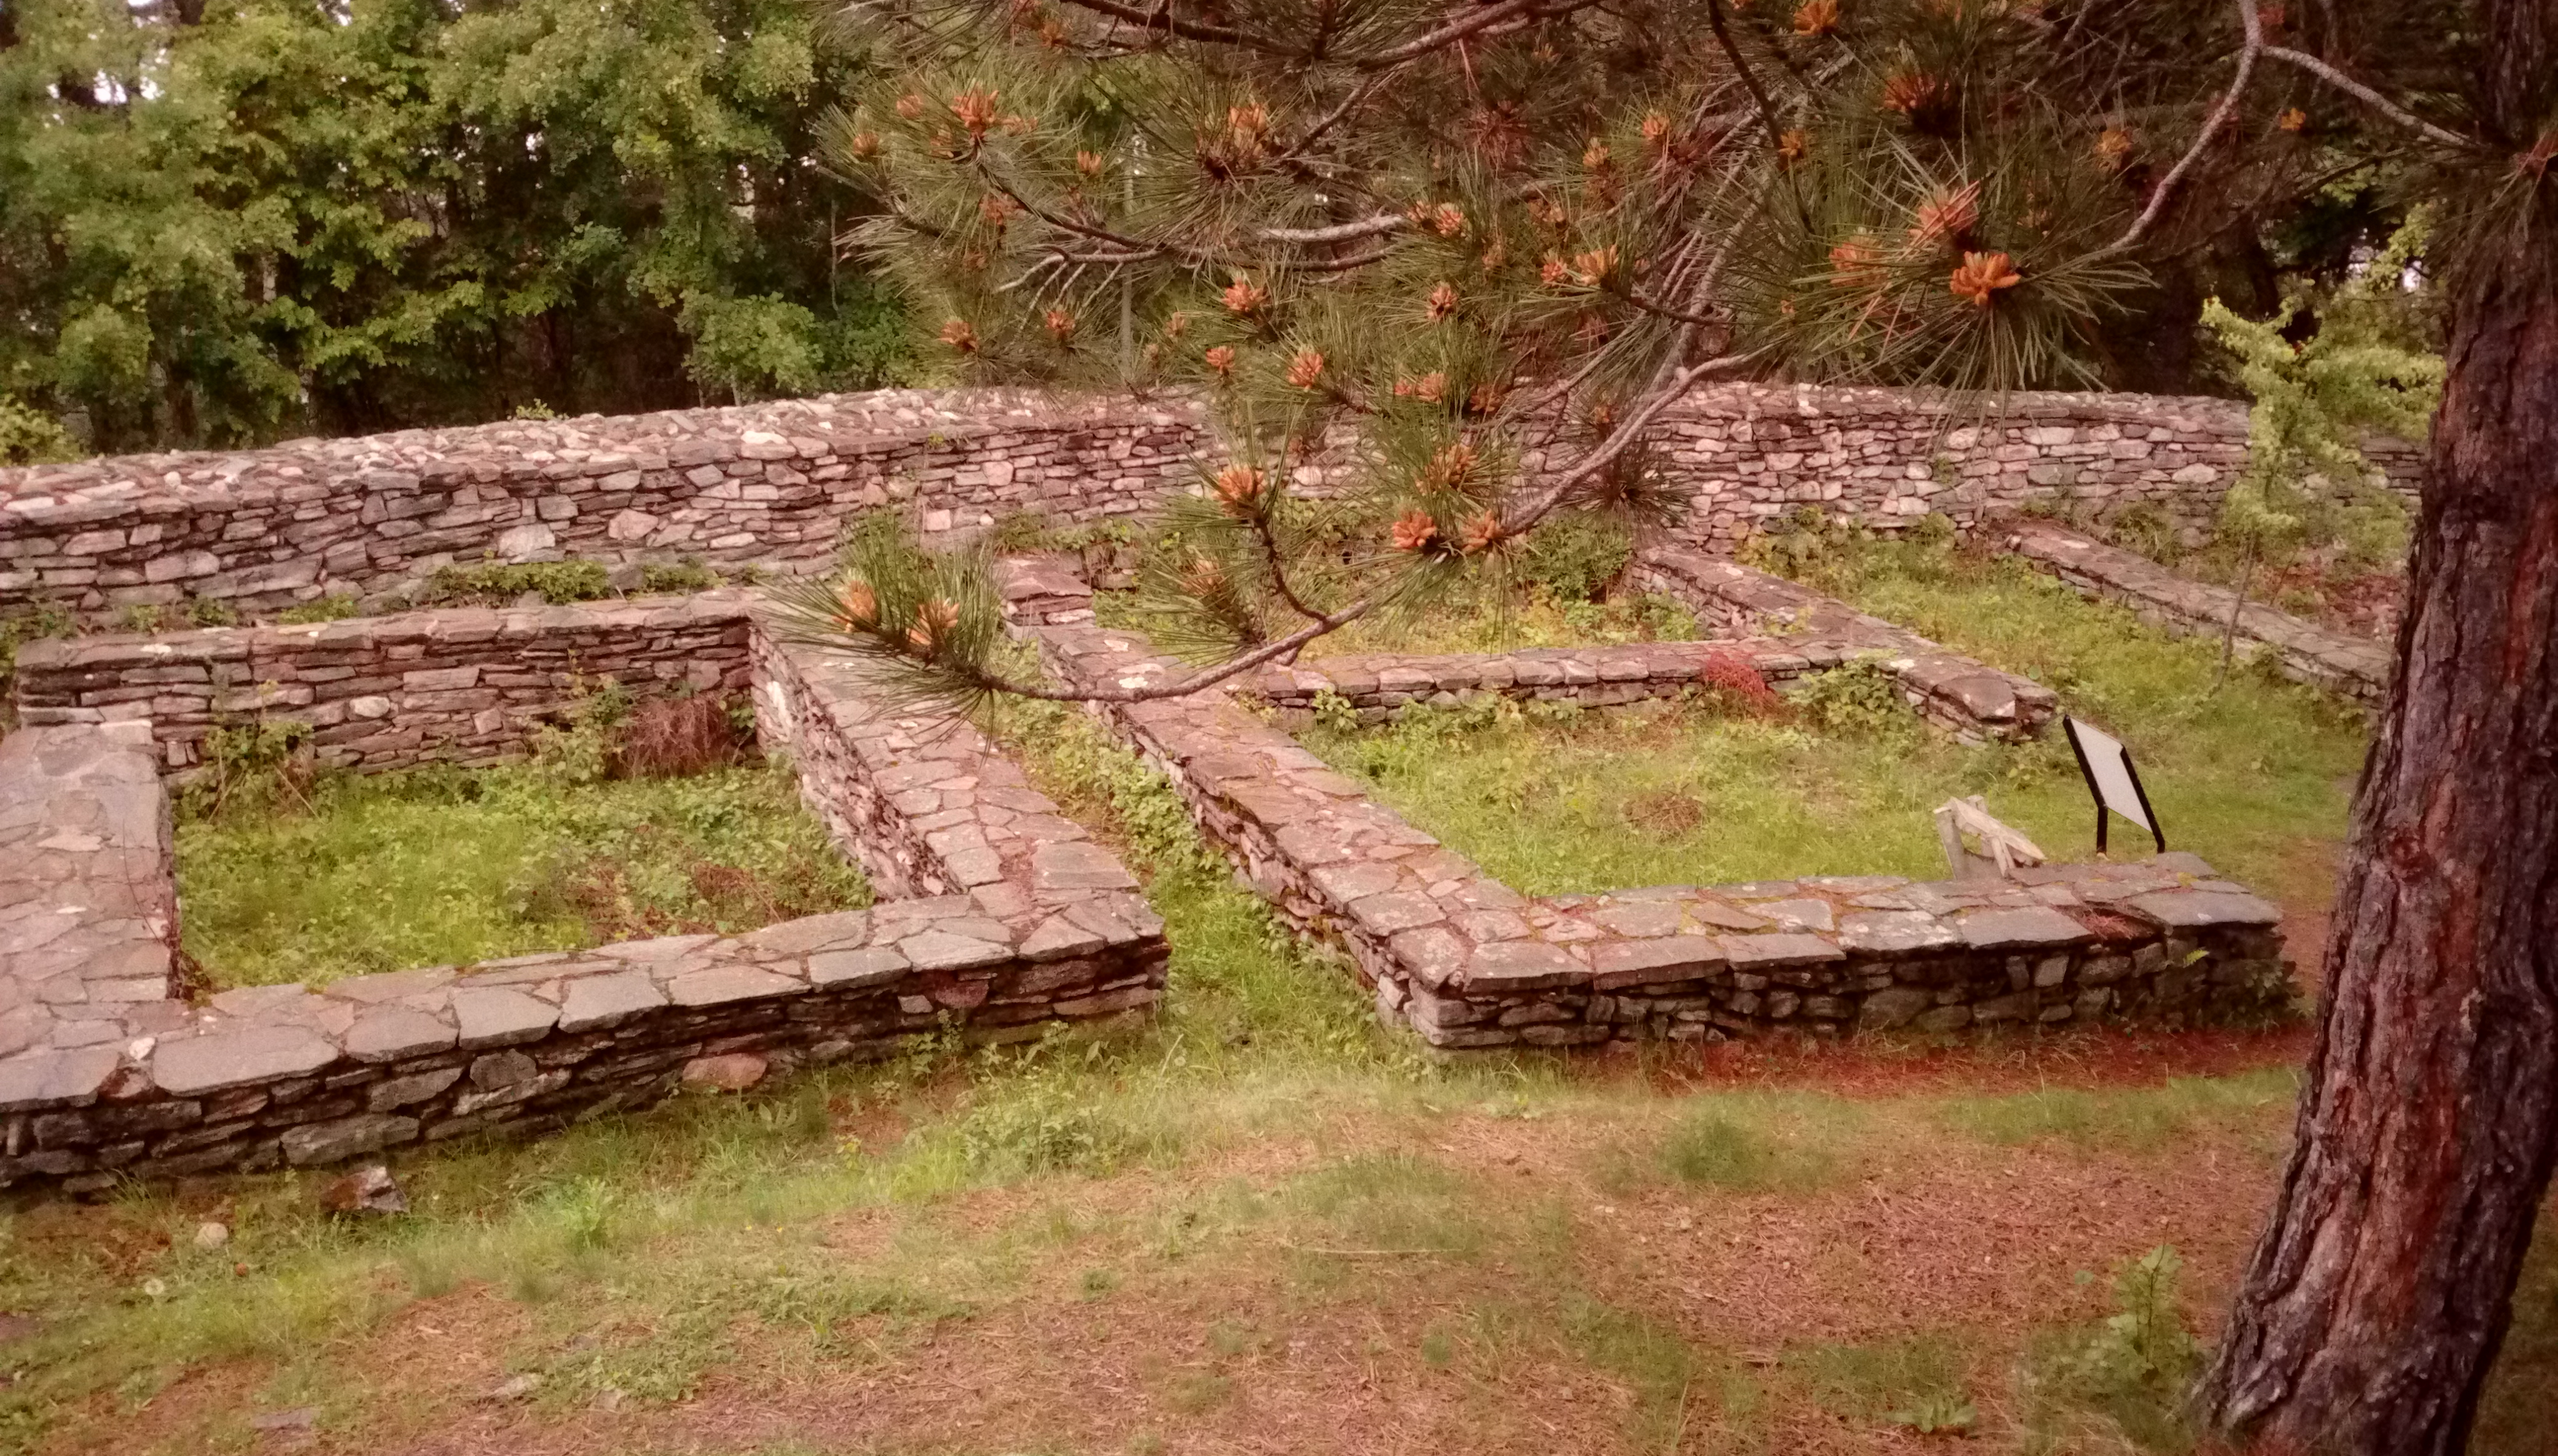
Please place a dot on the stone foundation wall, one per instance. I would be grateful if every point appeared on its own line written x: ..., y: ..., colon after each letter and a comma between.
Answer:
x: 1467, y: 961
x: 1745, y: 453
x: 1967, y: 698
x: 106, y: 1076
x: 773, y: 483
x: 2301, y: 651
x: 464, y: 685
x: 373, y: 515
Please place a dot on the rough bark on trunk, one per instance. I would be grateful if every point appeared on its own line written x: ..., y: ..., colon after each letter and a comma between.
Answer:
x: 2376, y: 1302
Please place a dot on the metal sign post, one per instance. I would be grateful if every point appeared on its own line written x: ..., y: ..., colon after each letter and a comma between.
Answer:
x: 2112, y: 779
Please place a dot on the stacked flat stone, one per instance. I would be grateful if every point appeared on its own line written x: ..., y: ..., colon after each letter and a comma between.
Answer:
x: 1968, y: 698
x: 1026, y: 923
x: 1469, y: 962
x: 773, y: 483
x: 89, y: 900
x: 768, y: 483
x: 1743, y: 455
x: 2301, y: 651
x: 465, y: 686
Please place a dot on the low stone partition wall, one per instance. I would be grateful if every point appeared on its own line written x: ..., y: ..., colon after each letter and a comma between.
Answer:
x: 2304, y: 652
x: 1968, y: 698
x: 110, y: 1077
x: 1376, y: 684
x: 453, y: 685
x: 1469, y: 962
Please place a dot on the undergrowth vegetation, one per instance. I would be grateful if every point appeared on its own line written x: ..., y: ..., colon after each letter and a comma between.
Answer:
x: 635, y: 823
x: 2252, y: 776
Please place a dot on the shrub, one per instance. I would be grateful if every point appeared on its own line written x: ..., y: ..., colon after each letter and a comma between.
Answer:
x: 1859, y: 697
x: 678, y: 737
x: 336, y: 607
x: 1574, y: 557
x: 1738, y: 681
x: 498, y: 584
x: 688, y: 575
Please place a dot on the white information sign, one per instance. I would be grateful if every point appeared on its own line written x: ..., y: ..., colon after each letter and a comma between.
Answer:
x: 2111, y: 778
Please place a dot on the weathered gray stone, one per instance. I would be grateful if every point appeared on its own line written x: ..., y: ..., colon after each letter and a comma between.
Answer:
x: 395, y: 1033
x: 597, y: 1001
x: 875, y: 965
x: 1654, y: 962
x: 500, y: 1016
x: 720, y: 985
x: 1521, y: 965
x: 1078, y: 865
x: 2200, y: 909
x: 2033, y: 926
x: 345, y: 1137
x: 186, y: 1066
x: 417, y: 1086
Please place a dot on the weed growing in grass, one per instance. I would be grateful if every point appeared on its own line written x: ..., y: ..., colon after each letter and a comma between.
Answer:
x: 2132, y: 1369
x: 335, y: 607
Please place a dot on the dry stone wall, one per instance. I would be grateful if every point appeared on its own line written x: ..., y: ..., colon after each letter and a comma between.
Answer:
x: 1745, y: 453
x: 1469, y: 962
x: 371, y: 516
x: 2301, y: 651
x: 105, y: 1075
x: 1970, y: 699
x: 773, y: 483
x: 465, y: 686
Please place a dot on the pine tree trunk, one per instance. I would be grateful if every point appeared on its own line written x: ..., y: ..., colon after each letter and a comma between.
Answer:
x: 2376, y: 1302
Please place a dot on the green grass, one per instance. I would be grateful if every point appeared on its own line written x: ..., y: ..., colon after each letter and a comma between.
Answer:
x: 438, y: 866
x: 2252, y: 776
x: 1479, y: 619
x: 1257, y: 1159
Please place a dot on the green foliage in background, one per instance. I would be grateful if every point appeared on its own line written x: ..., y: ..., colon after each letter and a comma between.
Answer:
x: 235, y: 220
x: 2365, y: 369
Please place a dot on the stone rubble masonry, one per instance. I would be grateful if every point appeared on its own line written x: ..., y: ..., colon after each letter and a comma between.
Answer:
x: 1969, y: 699
x: 773, y: 483
x: 89, y: 901
x: 1468, y: 962
x: 2304, y: 652
x: 768, y: 482
x: 453, y: 685
x: 1745, y: 453
x: 1026, y: 925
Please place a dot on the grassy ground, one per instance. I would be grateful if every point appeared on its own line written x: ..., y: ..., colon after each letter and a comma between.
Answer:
x: 433, y: 866
x: 2254, y: 776
x: 1256, y: 1223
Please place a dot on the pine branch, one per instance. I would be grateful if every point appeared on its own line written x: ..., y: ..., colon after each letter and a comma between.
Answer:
x: 2228, y: 106
x: 2369, y: 97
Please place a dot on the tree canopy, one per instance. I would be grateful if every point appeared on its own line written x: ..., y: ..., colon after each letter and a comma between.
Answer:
x: 1476, y: 250
x: 223, y: 220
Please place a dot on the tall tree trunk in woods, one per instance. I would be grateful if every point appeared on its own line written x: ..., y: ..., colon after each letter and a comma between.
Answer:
x: 2376, y: 1302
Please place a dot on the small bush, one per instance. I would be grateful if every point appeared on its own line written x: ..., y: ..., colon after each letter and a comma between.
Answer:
x: 676, y: 737
x: 659, y: 579
x: 336, y: 607
x: 1576, y: 557
x: 1859, y: 698
x: 498, y: 584
x: 1738, y: 681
